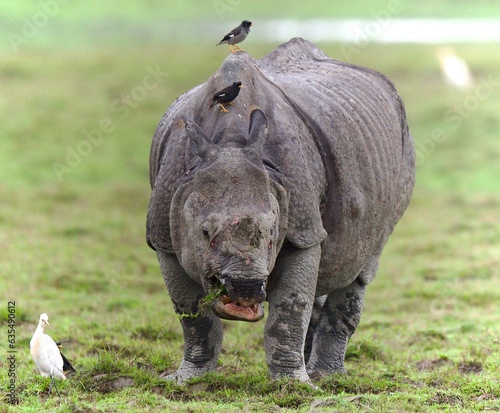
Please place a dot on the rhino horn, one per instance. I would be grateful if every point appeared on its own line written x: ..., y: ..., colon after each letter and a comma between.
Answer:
x: 258, y: 129
x: 197, y: 136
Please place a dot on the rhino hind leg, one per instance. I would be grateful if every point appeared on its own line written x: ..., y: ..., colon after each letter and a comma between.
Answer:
x: 338, y: 320
x: 202, y: 332
x: 313, y: 324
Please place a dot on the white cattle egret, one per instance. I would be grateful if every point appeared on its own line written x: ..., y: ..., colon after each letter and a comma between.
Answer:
x: 455, y: 70
x: 46, y: 354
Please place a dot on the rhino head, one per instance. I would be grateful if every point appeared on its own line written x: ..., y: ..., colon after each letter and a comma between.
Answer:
x: 231, y: 220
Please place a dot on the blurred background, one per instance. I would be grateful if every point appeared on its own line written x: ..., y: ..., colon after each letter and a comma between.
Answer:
x: 83, y: 85
x: 68, y: 66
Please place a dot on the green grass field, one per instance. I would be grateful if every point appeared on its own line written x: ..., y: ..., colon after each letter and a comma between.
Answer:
x: 76, y: 128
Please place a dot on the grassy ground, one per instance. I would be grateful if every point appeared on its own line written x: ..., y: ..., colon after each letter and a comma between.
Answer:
x: 74, y: 145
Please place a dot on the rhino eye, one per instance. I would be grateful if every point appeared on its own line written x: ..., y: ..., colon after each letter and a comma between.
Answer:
x: 205, y: 233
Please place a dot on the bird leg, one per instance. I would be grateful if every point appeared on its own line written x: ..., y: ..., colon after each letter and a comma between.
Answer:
x: 53, y: 383
x: 223, y: 109
x: 234, y: 48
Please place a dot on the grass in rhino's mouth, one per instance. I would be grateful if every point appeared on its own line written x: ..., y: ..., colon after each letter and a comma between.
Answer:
x: 212, y: 296
x: 206, y: 302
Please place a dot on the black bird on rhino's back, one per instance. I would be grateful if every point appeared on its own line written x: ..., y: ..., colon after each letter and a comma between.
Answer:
x: 236, y: 35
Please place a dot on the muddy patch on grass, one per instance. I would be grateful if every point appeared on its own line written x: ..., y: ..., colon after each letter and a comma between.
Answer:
x: 104, y: 383
x: 427, y: 338
x: 486, y: 396
x: 470, y: 367
x: 430, y: 365
x: 444, y: 398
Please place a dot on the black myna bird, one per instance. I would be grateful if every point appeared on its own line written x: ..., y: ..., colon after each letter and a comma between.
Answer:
x: 226, y: 95
x: 236, y: 35
x: 67, y: 367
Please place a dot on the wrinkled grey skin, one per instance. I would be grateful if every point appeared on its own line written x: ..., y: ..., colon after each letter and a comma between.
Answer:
x: 290, y: 197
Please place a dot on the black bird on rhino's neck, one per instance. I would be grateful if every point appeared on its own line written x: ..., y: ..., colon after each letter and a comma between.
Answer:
x: 226, y: 95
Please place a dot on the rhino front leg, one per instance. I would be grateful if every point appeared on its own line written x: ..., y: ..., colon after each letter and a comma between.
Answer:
x: 202, y: 333
x: 290, y: 303
x: 339, y: 318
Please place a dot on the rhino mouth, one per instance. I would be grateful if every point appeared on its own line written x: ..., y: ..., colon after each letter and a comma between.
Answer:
x: 236, y: 299
x: 241, y: 310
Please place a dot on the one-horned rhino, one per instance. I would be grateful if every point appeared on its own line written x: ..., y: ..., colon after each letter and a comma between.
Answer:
x: 290, y: 198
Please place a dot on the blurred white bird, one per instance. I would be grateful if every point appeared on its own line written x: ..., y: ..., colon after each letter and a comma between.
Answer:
x: 455, y: 70
x: 46, y: 354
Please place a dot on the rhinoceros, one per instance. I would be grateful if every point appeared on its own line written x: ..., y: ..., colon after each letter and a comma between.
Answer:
x: 289, y: 197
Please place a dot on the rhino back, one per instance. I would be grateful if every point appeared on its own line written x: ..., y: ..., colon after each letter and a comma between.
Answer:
x: 358, y: 122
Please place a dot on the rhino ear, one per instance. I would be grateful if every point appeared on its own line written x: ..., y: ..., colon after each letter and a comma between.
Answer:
x: 258, y: 128
x: 198, y: 137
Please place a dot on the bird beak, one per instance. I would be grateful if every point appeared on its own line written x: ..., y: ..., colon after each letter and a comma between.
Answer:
x: 240, y: 86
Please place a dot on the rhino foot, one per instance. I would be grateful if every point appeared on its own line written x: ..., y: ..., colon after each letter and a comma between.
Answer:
x: 171, y: 377
x: 185, y: 373
x: 299, y: 376
x: 319, y: 374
